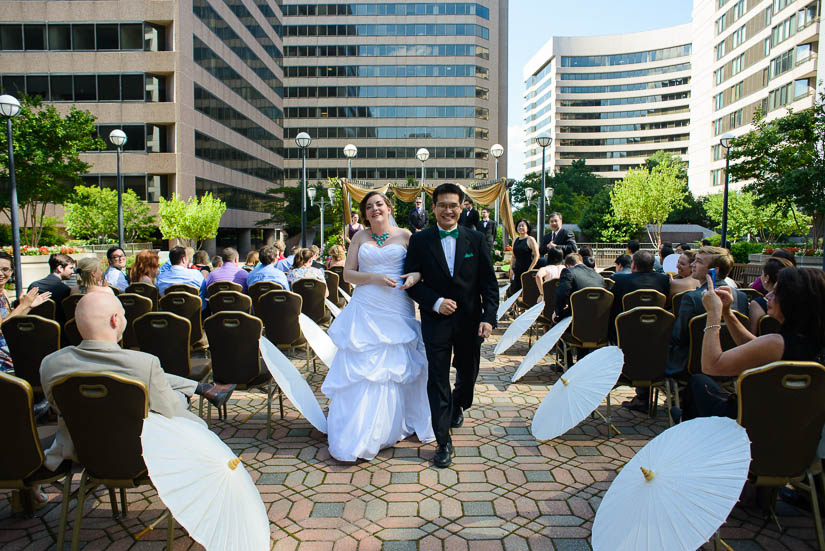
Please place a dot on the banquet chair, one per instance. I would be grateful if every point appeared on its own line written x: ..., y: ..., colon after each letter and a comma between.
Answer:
x: 767, y: 325
x: 219, y: 286
x: 696, y: 330
x: 643, y: 334
x: 676, y: 302
x: 230, y: 300
x: 609, y: 283
x: 590, y: 308
x: 166, y: 335
x: 279, y: 310
x: 332, y: 286
x: 545, y: 319
x: 135, y: 305
x: 236, y: 358
x: 146, y: 290
x: 643, y: 297
x: 313, y: 292
x: 183, y: 288
x: 343, y: 285
x: 23, y: 468
x: 188, y: 306
x: 259, y: 289
x: 47, y: 309
x: 784, y: 436
x: 30, y: 339
x: 69, y: 304
x: 104, y: 413
x: 529, y: 290
x: 71, y: 334
x: 751, y: 293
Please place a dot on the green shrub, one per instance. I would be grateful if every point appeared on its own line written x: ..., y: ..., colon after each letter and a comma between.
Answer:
x: 50, y: 236
x: 741, y: 249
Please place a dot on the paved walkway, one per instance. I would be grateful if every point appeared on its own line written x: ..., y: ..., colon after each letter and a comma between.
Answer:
x: 505, y: 490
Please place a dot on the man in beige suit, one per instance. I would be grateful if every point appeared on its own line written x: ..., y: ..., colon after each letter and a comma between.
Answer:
x: 101, y: 322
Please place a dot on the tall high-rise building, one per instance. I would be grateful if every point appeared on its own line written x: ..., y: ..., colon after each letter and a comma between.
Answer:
x: 211, y: 93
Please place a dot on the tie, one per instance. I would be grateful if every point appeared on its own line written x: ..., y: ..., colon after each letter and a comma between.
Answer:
x: 554, y: 237
x: 452, y: 233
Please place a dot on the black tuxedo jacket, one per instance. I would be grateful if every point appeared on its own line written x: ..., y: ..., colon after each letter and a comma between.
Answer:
x: 473, y: 286
x: 627, y: 283
x: 565, y: 240
x: 468, y: 218
x: 570, y: 281
x: 489, y: 232
x: 52, y: 283
x: 417, y: 221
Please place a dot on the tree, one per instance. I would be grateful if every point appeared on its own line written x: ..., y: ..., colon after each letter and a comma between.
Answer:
x: 745, y: 217
x: 647, y: 197
x: 285, y: 209
x: 91, y: 213
x: 194, y: 220
x: 784, y: 162
x: 600, y: 224
x: 47, y: 148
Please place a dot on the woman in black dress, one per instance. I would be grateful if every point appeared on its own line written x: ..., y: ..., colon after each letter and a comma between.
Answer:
x: 525, y: 255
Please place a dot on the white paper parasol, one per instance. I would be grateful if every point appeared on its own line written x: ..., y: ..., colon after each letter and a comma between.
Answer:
x: 669, y: 264
x: 343, y: 294
x: 289, y: 379
x: 677, y: 490
x: 578, y: 392
x: 502, y: 292
x: 507, y: 304
x: 204, y: 485
x: 317, y: 339
x: 541, y: 347
x: 519, y: 326
x: 333, y: 309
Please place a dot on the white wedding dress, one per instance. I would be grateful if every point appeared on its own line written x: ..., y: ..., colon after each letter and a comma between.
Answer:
x: 377, y: 384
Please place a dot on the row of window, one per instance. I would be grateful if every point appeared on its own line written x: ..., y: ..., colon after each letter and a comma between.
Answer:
x: 622, y: 101
x: 625, y: 87
x: 391, y: 173
x: 539, y: 90
x: 389, y: 50
x: 625, y: 127
x: 217, y: 110
x: 220, y: 69
x: 234, y: 197
x: 269, y: 15
x: 148, y: 187
x: 625, y: 141
x: 625, y: 114
x: 88, y: 87
x: 478, y: 153
x: 782, y: 63
x: 386, y: 92
x: 788, y: 93
x: 148, y: 138
x: 626, y: 74
x: 795, y: 23
x: 222, y: 30
x: 245, y: 17
x: 389, y: 112
x: 390, y: 29
x: 616, y: 154
x: 215, y: 151
x: 392, y: 132
x: 82, y: 36
x: 543, y: 72
x: 396, y: 71
x: 627, y: 59
x: 428, y: 8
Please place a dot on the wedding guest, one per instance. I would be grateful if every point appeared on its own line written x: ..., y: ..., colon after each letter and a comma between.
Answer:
x: 525, y: 255
x: 418, y: 218
x: 469, y: 216
x: 115, y: 274
x: 90, y: 278
x: 190, y: 256
x: 201, y: 262
x: 285, y: 264
x: 281, y: 246
x: 266, y: 270
x: 352, y: 228
x: 217, y: 262
x: 778, y: 253
x: 178, y: 273
x: 558, y: 236
x: 251, y: 261
x: 487, y: 227
x: 588, y: 259
x: 61, y: 268
x: 683, y: 281
x: 664, y: 251
x: 623, y: 262
x: 632, y: 247
x: 316, y: 256
x: 145, y: 268
x: 229, y: 271
x: 574, y: 276
x: 551, y: 270
x: 758, y: 307
x: 302, y: 267
x: 27, y: 302
x: 337, y: 256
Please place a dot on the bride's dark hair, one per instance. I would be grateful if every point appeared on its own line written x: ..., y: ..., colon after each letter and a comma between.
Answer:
x: 362, y: 206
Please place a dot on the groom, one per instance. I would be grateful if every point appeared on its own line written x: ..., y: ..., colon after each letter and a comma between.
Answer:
x: 458, y: 299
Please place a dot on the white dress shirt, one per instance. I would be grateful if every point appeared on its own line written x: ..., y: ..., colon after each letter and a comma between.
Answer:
x: 448, y: 245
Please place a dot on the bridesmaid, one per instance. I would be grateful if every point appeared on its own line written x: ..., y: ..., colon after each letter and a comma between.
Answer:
x: 352, y: 229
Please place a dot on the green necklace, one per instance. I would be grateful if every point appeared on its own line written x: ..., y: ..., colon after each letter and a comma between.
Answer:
x: 381, y: 238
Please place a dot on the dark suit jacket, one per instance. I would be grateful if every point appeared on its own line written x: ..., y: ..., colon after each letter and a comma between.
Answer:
x: 692, y: 306
x: 565, y: 240
x: 468, y: 219
x: 570, y: 281
x: 473, y: 285
x: 53, y: 284
x: 489, y: 232
x: 627, y: 283
x: 417, y: 221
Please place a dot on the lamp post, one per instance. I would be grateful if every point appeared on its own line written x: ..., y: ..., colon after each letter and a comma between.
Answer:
x: 422, y: 155
x: 118, y: 139
x: 303, y: 140
x: 724, y: 141
x: 350, y: 152
x: 543, y: 142
x: 10, y: 107
x: 313, y: 191
x: 497, y: 151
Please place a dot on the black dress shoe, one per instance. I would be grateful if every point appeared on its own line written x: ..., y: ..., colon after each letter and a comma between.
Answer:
x: 218, y: 394
x: 458, y: 418
x: 443, y: 455
x: 636, y: 405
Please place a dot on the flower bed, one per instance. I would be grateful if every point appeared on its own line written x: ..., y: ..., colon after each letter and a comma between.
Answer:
x: 25, y: 250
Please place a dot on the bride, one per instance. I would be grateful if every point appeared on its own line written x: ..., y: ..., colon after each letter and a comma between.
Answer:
x: 377, y: 384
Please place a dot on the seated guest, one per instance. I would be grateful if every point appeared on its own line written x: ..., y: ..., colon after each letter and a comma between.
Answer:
x: 201, y: 262
x: 632, y: 247
x: 573, y: 277
x: 552, y: 270
x: 797, y: 301
x: 706, y: 242
x: 266, y: 270
x: 642, y: 276
x: 27, y: 302
x: 285, y: 264
x: 179, y: 273
x: 623, y: 262
x: 778, y: 253
x: 683, y: 281
x: 758, y: 307
x: 61, y: 268
x: 145, y: 268
x: 90, y: 278
x: 281, y: 246
x: 682, y: 247
x: 337, y: 256
x: 588, y: 259
x: 316, y: 256
x: 115, y: 274
x: 229, y: 271
x: 303, y: 267
x: 251, y: 261
x: 217, y: 262
x: 101, y: 321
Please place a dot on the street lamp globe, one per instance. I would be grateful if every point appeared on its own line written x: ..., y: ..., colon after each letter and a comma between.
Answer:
x: 303, y: 140
x: 497, y: 150
x: 724, y: 139
x: 548, y: 194
x: 312, y: 192
x: 350, y: 151
x: 331, y: 194
x: 544, y: 141
x: 9, y: 106
x: 117, y: 137
x: 529, y: 193
x: 422, y: 154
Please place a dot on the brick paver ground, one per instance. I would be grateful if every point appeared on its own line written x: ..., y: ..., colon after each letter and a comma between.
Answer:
x: 505, y: 491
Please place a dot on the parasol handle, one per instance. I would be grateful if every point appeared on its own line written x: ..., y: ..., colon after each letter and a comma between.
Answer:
x: 612, y: 426
x: 565, y: 381
x: 233, y: 463
x: 649, y: 475
x: 152, y: 525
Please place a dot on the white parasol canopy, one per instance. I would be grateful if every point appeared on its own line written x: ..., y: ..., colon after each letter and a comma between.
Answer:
x: 333, y: 308
x: 507, y: 304
x: 289, y: 380
x: 502, y: 292
x: 519, y: 326
x: 317, y: 339
x: 578, y: 392
x: 204, y: 485
x: 541, y: 347
x: 345, y: 295
x: 677, y: 490
x: 669, y: 263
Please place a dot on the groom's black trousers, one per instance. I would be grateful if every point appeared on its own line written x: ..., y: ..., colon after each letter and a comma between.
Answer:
x: 450, y: 342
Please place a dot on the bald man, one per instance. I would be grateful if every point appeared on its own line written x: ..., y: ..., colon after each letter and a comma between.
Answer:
x: 101, y: 322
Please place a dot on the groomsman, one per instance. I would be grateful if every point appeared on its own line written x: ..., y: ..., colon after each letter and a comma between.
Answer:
x: 487, y: 227
x: 557, y: 236
x: 418, y: 219
x: 469, y: 215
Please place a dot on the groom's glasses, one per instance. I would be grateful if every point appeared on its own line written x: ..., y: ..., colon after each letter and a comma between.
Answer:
x: 447, y: 206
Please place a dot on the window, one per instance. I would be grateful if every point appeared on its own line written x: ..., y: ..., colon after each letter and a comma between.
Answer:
x: 131, y: 36
x: 767, y: 47
x: 37, y: 85
x: 781, y: 64
x: 85, y: 88
x: 35, y: 36
x: 803, y: 53
x: 61, y: 88
x: 718, y: 152
x: 736, y: 91
x: 107, y: 36
x: 720, y: 50
x: 218, y: 110
x: 11, y: 37
x: 132, y: 88
x: 720, y: 25
x: 717, y: 127
x: 737, y: 64
x: 735, y: 119
x: 801, y: 88
x: 738, y: 36
x: 719, y: 75
x: 717, y: 177
x: 779, y: 97
x: 768, y: 15
x: 718, y: 101
x: 83, y: 37
x: 108, y: 87
x: 60, y: 37
x: 720, y: 4
x: 738, y: 9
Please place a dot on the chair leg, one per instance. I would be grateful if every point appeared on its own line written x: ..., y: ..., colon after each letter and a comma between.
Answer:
x: 668, y: 404
x: 208, y: 414
x: 269, y: 409
x: 78, y: 518
x: 123, y: 504
x: 200, y: 407
x: 113, y: 502
x: 281, y: 401
x: 609, y: 419
x: 64, y: 511
x: 817, y: 516
x: 170, y: 531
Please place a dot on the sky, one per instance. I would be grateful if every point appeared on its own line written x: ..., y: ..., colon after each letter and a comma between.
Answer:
x: 534, y: 22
